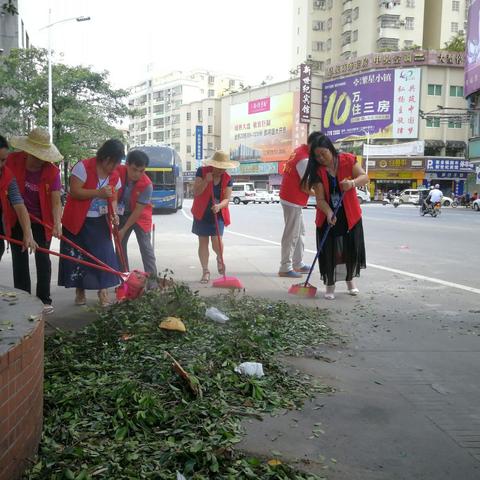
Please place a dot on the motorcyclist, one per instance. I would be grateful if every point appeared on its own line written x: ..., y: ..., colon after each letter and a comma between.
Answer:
x: 435, y: 195
x: 425, y: 199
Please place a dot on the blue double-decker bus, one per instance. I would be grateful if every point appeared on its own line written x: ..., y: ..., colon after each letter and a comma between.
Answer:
x: 165, y: 171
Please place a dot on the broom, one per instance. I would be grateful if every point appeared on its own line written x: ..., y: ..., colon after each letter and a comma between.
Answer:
x: 223, y: 282
x: 306, y: 289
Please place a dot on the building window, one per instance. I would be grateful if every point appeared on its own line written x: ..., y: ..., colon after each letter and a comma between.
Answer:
x: 434, y: 90
x: 318, y: 5
x: 456, y: 91
x: 211, y: 93
x: 211, y: 79
x: 189, y: 164
x: 210, y: 146
x: 231, y: 83
x: 355, y: 36
x: 329, y: 24
x: 409, y: 23
x: 189, y: 116
x: 319, y: 25
x: 298, y: 50
x: 189, y: 150
x: 210, y: 129
x: 408, y: 43
x: 454, y: 27
x: 453, y: 124
x: 411, y: 3
x: 329, y: 44
x: 318, y: 46
x: 199, y: 116
x: 298, y: 30
x: 455, y: 6
x: 433, y: 122
x: 210, y: 111
x: 189, y: 132
x: 356, y: 13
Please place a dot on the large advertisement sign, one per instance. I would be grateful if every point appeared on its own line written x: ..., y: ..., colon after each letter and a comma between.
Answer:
x: 472, y: 60
x: 383, y: 104
x: 198, y: 142
x: 266, y: 129
x: 305, y: 92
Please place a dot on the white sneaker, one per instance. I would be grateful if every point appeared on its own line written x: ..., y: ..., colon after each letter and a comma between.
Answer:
x: 48, y: 309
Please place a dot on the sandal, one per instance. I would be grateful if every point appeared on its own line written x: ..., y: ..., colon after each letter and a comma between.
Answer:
x: 220, y: 266
x: 205, y: 277
x: 330, y: 293
x: 352, y: 290
x: 80, y: 298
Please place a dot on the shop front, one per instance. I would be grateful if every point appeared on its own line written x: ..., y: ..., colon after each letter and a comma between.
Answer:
x: 394, y: 174
x: 188, y: 181
x: 263, y: 174
x: 450, y: 173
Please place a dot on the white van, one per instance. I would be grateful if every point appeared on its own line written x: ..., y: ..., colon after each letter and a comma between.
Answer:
x: 243, y: 193
x: 362, y: 195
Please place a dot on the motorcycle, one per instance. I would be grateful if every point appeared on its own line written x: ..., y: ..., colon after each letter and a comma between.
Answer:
x: 431, y: 209
x: 392, y: 200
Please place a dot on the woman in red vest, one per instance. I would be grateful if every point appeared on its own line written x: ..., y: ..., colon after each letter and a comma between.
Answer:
x: 11, y: 204
x: 135, y: 209
x: 330, y: 173
x: 39, y: 182
x: 93, y: 184
x: 211, y: 177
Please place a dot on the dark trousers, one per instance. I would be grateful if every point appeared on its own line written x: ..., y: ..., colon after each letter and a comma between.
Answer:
x: 20, y: 263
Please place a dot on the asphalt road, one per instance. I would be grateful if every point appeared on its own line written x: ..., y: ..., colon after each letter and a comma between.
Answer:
x: 407, y: 374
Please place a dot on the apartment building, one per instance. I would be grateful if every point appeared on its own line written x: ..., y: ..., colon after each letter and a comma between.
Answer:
x: 157, y: 103
x: 327, y: 32
x: 13, y: 33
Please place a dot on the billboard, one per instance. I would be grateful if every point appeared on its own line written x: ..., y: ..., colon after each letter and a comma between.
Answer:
x: 198, y: 142
x: 383, y: 103
x: 266, y: 129
x: 472, y: 60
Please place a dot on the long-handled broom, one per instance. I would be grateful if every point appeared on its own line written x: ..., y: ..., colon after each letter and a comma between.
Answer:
x: 223, y: 282
x: 306, y: 289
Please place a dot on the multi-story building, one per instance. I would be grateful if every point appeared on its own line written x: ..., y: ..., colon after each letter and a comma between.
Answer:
x: 158, y: 100
x: 13, y: 33
x: 329, y: 31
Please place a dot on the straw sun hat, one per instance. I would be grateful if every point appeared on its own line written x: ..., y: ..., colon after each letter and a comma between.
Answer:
x: 37, y: 143
x: 221, y: 160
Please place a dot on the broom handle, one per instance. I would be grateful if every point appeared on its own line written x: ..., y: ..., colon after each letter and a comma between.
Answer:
x: 66, y: 257
x: 116, y: 237
x: 70, y: 242
x: 324, y: 238
x: 220, y: 243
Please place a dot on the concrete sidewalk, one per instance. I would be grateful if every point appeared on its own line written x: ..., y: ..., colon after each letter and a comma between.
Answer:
x: 407, y: 379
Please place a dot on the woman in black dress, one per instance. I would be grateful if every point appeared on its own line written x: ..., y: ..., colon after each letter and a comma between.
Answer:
x: 330, y: 174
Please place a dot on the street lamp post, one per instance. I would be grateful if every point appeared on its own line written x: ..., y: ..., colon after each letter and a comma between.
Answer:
x: 50, y: 94
x: 367, y: 133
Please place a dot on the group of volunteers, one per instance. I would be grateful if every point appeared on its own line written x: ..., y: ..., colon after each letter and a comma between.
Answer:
x: 107, y: 195
x: 313, y: 169
x: 103, y: 194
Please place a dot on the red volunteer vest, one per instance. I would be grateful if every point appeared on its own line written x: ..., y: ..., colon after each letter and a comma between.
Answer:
x: 16, y: 162
x: 290, y: 190
x: 8, y: 213
x: 75, y: 211
x: 353, y: 212
x: 200, y: 202
x: 145, y: 219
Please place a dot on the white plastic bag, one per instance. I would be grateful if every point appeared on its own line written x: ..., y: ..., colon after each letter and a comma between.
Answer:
x: 250, y: 369
x: 180, y: 476
x: 216, y: 315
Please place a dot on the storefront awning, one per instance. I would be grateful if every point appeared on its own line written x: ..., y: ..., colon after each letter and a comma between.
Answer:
x: 434, y: 143
x: 456, y: 144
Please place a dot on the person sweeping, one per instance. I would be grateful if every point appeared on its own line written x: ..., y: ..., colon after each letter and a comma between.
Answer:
x: 330, y: 174
x: 212, y: 177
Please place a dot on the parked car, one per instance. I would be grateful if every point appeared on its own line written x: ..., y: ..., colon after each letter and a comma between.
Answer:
x: 413, y: 196
x: 243, y: 193
x: 362, y: 195
x: 262, y: 196
x: 476, y: 205
x: 275, y: 196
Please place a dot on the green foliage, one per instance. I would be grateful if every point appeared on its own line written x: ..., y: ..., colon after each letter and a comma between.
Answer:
x: 85, y: 106
x: 115, y: 409
x: 456, y: 43
x: 9, y: 7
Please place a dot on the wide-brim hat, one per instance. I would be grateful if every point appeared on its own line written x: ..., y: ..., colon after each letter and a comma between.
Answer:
x: 38, y: 144
x: 221, y: 160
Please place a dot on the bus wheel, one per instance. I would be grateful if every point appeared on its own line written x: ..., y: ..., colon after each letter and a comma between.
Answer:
x: 236, y: 201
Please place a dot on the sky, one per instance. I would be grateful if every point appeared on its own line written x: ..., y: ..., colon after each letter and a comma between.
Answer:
x: 246, y: 38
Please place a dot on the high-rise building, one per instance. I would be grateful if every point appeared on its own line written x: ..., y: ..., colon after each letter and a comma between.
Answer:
x: 327, y: 32
x: 158, y: 100
x: 13, y: 33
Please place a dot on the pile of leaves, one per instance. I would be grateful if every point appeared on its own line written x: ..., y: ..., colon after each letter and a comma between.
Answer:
x: 115, y: 409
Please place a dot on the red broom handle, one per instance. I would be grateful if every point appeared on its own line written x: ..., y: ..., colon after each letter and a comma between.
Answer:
x: 220, y: 243
x: 70, y: 242
x: 66, y: 257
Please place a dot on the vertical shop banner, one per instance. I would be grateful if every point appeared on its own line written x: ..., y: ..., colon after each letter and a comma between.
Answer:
x: 477, y: 171
x: 305, y: 93
x: 266, y: 129
x: 199, y: 142
x: 383, y: 103
x: 472, y: 60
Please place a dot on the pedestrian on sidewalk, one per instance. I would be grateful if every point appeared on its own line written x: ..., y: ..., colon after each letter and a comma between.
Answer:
x: 212, y: 176
x: 135, y: 209
x: 293, y: 198
x: 38, y: 179
x: 11, y: 204
x: 94, y: 183
x: 330, y: 173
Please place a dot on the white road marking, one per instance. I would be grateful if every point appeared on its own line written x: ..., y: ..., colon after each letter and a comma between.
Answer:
x: 437, y: 281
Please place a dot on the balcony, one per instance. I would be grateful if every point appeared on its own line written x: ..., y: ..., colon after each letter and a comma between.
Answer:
x: 386, y: 43
x: 347, y: 4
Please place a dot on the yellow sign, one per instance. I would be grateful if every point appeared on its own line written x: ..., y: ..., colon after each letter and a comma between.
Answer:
x: 159, y: 169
